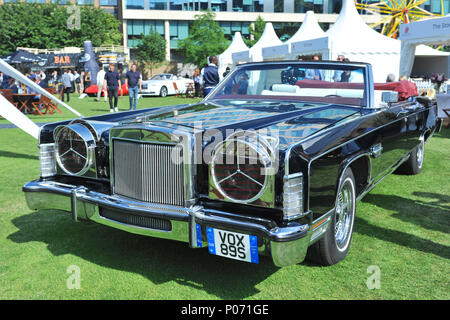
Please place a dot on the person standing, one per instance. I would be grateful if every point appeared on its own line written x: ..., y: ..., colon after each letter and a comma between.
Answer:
x: 76, y: 80
x: 81, y: 81
x: 71, y: 79
x: 67, y: 85
x: 100, y: 80
x: 112, y: 84
x: 42, y: 75
x: 87, y: 80
x: 133, y: 82
x: 210, y: 75
x: 196, y: 78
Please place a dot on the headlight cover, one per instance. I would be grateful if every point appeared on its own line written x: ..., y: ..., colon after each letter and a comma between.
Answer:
x: 74, y: 146
x: 240, y: 170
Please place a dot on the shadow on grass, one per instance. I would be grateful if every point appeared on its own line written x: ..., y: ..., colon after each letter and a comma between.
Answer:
x: 158, y: 260
x: 9, y: 154
x: 431, y: 215
x: 401, y: 238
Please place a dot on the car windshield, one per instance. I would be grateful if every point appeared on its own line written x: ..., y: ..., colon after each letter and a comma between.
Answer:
x: 335, y: 83
x: 161, y: 77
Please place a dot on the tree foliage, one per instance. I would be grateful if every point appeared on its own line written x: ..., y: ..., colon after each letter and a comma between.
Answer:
x: 151, y: 50
x: 255, y: 32
x: 42, y: 26
x: 206, y: 38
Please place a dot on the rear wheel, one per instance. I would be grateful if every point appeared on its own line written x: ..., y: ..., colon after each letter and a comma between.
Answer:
x: 163, y: 92
x: 415, y: 161
x: 334, y: 245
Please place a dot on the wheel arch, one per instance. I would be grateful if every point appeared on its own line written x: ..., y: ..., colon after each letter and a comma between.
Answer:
x: 360, y: 165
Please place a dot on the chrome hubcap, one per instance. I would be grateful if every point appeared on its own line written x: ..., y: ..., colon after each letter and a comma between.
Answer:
x: 344, y: 216
x: 419, y: 155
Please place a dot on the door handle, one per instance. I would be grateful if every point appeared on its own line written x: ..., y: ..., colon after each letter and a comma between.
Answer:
x: 376, y: 150
x: 402, y: 112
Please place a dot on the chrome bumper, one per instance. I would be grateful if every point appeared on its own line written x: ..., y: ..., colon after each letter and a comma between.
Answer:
x: 286, y: 245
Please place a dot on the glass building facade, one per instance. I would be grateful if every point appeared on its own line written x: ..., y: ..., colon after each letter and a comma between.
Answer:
x: 136, y: 28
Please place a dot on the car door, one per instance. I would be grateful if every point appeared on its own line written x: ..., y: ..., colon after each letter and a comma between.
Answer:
x: 391, y: 142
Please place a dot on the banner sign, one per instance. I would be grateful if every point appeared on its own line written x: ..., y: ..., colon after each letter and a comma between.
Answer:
x: 241, y: 55
x: 314, y: 45
x: 275, y: 50
x: 425, y: 29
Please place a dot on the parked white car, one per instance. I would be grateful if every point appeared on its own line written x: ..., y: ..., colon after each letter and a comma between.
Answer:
x: 164, y: 84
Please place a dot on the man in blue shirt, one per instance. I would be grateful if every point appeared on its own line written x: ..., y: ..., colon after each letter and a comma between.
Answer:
x: 210, y: 75
x: 112, y: 84
x: 314, y: 74
x: 134, y: 84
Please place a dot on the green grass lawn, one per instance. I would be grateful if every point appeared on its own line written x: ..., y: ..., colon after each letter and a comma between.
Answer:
x: 402, y: 226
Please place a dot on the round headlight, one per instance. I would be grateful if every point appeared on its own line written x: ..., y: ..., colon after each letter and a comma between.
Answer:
x: 239, y: 168
x: 74, y: 148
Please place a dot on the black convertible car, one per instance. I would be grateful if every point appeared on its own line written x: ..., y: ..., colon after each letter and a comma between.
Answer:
x: 272, y: 162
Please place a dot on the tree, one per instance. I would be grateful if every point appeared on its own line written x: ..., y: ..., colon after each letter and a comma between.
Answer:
x: 151, y: 50
x: 206, y: 38
x: 46, y: 26
x: 255, y: 32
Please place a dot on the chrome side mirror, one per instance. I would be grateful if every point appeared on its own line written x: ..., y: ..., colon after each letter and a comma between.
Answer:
x: 389, y: 97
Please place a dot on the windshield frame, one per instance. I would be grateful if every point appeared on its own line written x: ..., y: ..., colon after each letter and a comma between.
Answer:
x: 368, y: 99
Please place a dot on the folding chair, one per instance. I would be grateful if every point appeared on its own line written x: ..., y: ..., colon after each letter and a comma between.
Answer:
x: 48, y: 106
x: 177, y: 91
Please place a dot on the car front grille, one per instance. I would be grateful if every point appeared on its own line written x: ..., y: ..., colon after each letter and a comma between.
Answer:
x: 146, y: 172
x: 136, y: 220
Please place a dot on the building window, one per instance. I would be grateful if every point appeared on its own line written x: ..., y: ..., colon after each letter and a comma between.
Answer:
x: 301, y: 6
x: 158, y: 4
x: 135, y: 29
x: 219, y: 5
x: 278, y: 6
x: 434, y: 6
x: 84, y: 2
x: 229, y: 28
x: 248, y: 5
x: 113, y: 11
x: 135, y: 4
x: 285, y: 30
x: 178, y: 30
x: 108, y: 3
x: 176, y: 5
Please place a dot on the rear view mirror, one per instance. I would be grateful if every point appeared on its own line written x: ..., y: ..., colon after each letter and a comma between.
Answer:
x: 389, y: 96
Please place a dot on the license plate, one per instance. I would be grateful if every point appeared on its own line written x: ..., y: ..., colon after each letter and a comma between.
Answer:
x: 233, y: 245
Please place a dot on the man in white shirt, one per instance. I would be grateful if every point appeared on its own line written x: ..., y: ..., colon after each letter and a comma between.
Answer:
x: 100, y: 80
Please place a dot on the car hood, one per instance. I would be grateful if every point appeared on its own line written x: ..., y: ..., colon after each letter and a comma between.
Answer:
x: 291, y: 121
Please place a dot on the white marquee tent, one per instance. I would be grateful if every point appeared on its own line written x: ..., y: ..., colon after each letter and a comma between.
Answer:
x: 225, y: 58
x: 353, y: 38
x: 268, y: 38
x: 413, y: 35
x: 309, y: 29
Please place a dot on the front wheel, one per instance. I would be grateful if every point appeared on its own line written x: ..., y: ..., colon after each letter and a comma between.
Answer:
x: 163, y: 92
x: 334, y: 245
